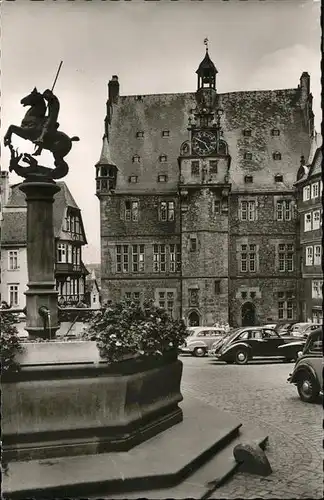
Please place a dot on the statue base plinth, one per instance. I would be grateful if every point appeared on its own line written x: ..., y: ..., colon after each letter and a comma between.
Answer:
x: 41, y: 296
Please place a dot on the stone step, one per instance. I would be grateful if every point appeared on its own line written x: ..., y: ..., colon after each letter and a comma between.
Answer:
x: 175, y: 462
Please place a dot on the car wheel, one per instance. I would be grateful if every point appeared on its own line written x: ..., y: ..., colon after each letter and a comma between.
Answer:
x: 307, y: 388
x: 241, y: 357
x: 199, y: 352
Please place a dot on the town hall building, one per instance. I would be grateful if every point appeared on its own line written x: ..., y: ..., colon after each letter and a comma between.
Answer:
x: 197, y: 201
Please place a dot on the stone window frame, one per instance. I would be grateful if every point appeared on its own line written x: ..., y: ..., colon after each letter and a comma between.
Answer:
x: 166, y: 299
x: 247, y: 132
x: 140, y: 134
x: 314, y: 190
x: 248, y: 257
x: 161, y: 177
x: 285, y: 257
x: 163, y: 158
x: 308, y: 226
x: 167, y: 211
x: 136, y: 159
x: 275, y: 132
x: 306, y: 193
x: 165, y: 133
x: 284, y: 209
x: 133, y: 295
x: 251, y: 213
x: 248, y: 155
x: 278, y: 178
x: 131, y: 210
x: 122, y: 258
x: 138, y: 258
x: 248, y: 179
x: 174, y: 257
x: 13, y: 260
x: 159, y: 258
x: 276, y: 156
x: 309, y: 255
x: 286, y: 309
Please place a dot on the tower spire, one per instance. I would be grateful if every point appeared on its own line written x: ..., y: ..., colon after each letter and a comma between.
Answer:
x: 206, y: 43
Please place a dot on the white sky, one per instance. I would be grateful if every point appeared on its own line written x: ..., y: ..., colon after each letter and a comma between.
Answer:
x: 154, y: 47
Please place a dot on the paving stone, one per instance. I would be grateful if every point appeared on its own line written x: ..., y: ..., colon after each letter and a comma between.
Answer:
x: 259, y: 394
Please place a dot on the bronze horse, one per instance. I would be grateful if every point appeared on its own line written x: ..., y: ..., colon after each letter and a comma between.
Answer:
x: 32, y: 126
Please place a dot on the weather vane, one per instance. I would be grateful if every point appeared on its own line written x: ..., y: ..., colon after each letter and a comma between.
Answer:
x: 206, y: 43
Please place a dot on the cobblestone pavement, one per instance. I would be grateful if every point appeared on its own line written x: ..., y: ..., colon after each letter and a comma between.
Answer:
x: 257, y: 393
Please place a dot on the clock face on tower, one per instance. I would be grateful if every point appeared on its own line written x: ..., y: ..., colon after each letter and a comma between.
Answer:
x: 203, y: 142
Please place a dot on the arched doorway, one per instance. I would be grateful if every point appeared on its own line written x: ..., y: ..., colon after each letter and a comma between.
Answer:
x: 194, y: 319
x: 248, y: 314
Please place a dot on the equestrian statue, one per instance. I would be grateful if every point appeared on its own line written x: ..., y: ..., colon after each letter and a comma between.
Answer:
x: 41, y: 129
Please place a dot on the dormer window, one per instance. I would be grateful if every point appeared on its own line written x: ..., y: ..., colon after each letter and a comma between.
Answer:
x: 276, y: 156
x: 248, y: 179
x: 248, y: 156
x: 275, y: 132
x: 140, y: 133
x: 136, y: 159
x: 163, y: 158
x: 278, y: 178
x: 162, y: 178
x: 165, y: 133
x: 133, y: 179
x: 247, y: 132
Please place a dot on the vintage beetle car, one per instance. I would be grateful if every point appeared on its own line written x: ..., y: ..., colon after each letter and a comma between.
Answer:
x: 245, y: 343
x: 308, y: 370
x: 200, y: 340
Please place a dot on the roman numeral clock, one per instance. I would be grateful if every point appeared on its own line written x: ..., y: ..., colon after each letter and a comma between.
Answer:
x: 204, y: 142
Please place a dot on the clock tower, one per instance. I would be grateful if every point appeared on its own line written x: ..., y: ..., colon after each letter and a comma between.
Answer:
x: 204, y: 188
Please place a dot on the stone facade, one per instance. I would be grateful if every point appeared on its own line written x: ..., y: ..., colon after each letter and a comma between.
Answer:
x: 211, y: 235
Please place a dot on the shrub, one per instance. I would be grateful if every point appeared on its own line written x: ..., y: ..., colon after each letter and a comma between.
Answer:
x: 127, y: 330
x: 10, y: 345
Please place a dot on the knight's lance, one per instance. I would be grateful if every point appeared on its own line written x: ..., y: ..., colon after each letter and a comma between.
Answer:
x: 57, y: 74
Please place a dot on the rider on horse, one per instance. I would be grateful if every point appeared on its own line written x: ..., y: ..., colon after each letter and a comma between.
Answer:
x: 50, y: 125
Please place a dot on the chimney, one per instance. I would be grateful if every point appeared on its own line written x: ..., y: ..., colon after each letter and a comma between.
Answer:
x: 113, y: 89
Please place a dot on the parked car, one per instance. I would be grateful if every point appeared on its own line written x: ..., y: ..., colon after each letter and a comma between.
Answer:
x: 284, y: 328
x: 308, y: 371
x: 243, y: 344
x: 200, y: 340
x: 299, y: 329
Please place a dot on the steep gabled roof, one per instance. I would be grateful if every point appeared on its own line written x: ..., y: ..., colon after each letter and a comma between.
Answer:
x: 14, y: 228
x: 316, y: 166
x: 14, y: 222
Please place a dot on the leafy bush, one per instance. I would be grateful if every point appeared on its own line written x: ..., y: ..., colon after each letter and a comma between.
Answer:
x: 10, y: 345
x: 127, y: 330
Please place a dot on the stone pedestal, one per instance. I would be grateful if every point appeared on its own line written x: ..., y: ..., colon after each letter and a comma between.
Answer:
x: 41, y: 296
